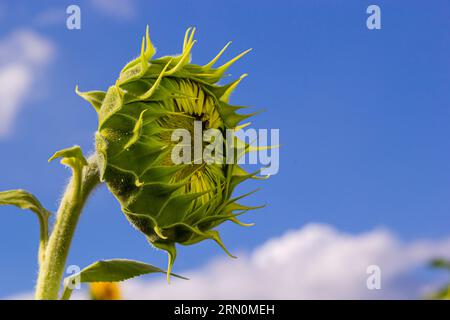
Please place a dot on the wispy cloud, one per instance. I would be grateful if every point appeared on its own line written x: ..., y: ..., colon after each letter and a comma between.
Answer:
x: 316, y: 261
x: 23, y: 55
x: 119, y: 9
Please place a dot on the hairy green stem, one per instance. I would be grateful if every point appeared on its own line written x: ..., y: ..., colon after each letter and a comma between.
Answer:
x: 52, y: 268
x: 43, y: 223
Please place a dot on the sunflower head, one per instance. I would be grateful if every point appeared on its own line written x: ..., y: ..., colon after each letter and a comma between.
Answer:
x: 159, y: 108
x: 105, y: 291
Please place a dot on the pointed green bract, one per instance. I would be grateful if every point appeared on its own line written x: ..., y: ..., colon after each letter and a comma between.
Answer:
x: 170, y: 203
x: 71, y: 157
x: 95, y: 98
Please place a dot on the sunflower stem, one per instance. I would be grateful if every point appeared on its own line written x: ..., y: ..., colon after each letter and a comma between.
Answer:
x: 51, y: 271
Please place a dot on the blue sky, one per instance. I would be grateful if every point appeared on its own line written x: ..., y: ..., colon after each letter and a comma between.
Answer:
x: 363, y: 117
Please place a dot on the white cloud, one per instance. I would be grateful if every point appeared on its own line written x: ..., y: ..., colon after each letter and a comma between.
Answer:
x: 120, y: 9
x: 23, y: 56
x: 316, y: 261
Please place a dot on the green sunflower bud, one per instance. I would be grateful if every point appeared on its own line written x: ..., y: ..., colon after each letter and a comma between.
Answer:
x: 171, y: 201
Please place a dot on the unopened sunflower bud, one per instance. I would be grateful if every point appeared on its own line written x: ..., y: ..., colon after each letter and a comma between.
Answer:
x: 170, y: 201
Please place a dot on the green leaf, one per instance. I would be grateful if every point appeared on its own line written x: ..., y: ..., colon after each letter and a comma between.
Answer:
x: 111, y: 271
x: 25, y: 200
x: 442, y: 294
x: 440, y: 263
